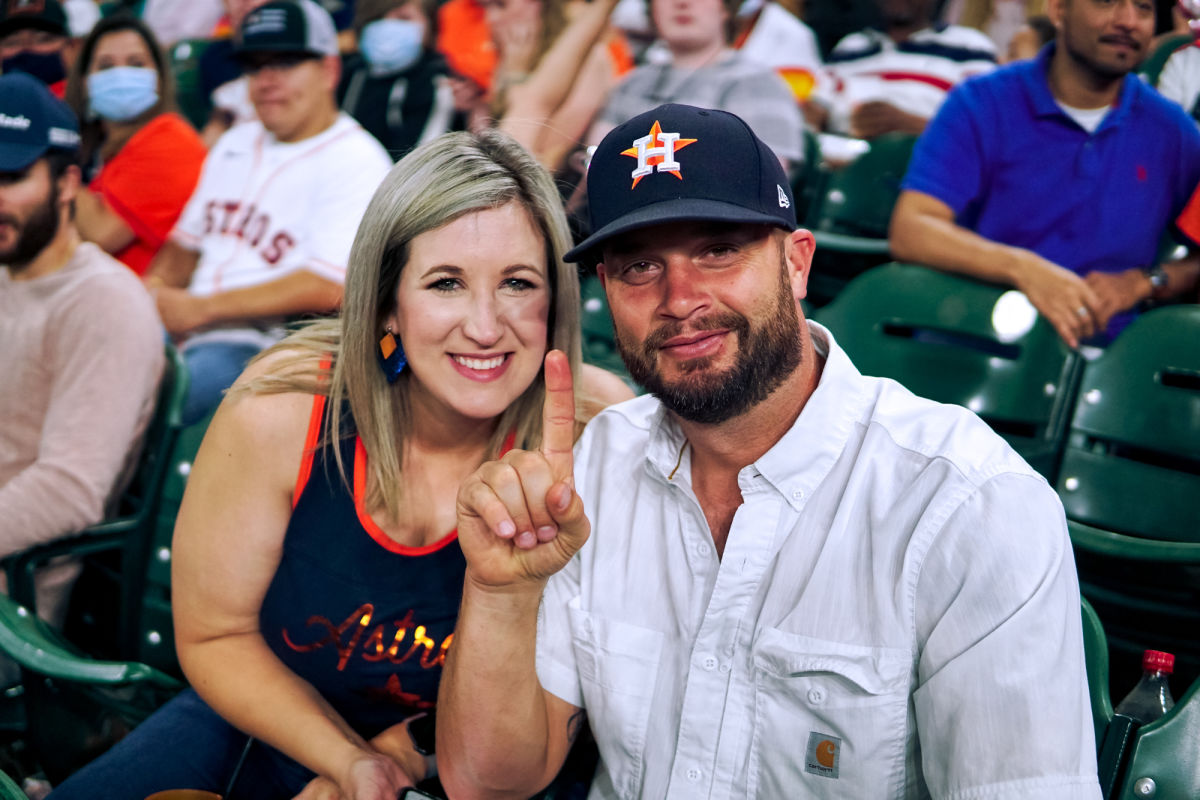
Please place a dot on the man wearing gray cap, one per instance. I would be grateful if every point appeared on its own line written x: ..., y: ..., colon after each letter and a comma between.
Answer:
x: 802, y: 582
x: 267, y: 233
x: 81, y: 348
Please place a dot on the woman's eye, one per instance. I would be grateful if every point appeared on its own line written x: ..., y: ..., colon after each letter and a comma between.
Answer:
x: 444, y: 285
x: 519, y: 284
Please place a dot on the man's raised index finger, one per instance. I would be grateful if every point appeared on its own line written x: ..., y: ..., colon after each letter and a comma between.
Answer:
x: 558, y: 415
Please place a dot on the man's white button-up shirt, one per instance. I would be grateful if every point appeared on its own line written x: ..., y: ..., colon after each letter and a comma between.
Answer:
x: 895, y: 615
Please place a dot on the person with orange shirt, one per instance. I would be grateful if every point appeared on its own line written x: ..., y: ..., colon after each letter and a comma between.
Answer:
x: 147, y: 157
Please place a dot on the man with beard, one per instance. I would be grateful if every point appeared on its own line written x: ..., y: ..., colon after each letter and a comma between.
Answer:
x: 82, y: 347
x: 1059, y: 176
x: 802, y: 582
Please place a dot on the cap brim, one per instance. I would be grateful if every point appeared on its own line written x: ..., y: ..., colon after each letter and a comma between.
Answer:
x: 16, y: 157
x: 240, y: 53
x: 679, y: 210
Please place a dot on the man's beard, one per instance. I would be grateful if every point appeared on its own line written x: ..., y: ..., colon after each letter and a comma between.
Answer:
x: 766, y: 357
x: 34, y: 235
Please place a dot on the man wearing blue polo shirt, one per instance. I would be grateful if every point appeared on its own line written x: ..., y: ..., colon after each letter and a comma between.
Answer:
x: 1059, y: 176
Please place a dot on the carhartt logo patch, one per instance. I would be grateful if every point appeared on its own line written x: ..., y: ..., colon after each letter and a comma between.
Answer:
x: 656, y: 151
x: 823, y: 753
x: 783, y: 198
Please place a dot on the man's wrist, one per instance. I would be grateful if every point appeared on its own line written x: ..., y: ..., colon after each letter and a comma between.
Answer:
x: 1156, y: 280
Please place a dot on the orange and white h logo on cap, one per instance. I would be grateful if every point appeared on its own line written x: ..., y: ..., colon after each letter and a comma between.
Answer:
x: 656, y: 151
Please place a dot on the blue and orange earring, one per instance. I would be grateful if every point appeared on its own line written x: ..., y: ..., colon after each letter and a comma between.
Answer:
x: 391, y: 356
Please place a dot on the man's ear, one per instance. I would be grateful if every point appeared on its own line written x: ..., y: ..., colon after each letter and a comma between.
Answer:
x: 69, y: 184
x: 798, y: 249
x: 601, y: 275
x: 1055, y: 10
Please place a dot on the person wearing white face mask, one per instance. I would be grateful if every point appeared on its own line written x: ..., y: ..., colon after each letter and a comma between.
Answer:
x: 396, y: 85
x: 143, y: 159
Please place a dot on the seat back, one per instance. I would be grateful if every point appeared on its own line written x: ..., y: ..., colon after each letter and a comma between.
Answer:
x: 599, y: 341
x: 1130, y: 480
x: 1164, y: 763
x: 857, y: 198
x: 849, y: 209
x: 1095, y: 650
x: 950, y: 339
x: 1152, y: 67
x: 184, y: 57
x: 1135, y: 432
x: 152, y: 631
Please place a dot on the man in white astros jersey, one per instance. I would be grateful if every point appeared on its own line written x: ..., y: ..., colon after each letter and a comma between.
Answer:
x: 267, y: 233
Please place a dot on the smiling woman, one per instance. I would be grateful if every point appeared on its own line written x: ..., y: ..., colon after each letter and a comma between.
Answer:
x: 317, y: 572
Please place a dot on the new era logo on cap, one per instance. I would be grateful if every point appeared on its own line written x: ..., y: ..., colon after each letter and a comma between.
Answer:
x: 691, y: 164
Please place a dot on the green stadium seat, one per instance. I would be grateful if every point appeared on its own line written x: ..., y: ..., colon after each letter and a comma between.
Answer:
x: 1164, y: 762
x: 937, y: 334
x: 849, y: 213
x: 1095, y: 649
x: 114, y: 663
x: 599, y: 342
x: 9, y: 790
x: 1130, y: 483
x: 1152, y: 67
x: 184, y: 58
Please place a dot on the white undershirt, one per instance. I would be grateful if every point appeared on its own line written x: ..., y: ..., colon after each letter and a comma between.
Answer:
x: 1087, y: 118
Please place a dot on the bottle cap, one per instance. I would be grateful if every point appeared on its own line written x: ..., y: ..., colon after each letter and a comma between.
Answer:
x: 1156, y: 660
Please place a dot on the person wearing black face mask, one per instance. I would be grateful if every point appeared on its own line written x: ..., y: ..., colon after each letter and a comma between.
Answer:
x: 395, y: 85
x: 33, y: 39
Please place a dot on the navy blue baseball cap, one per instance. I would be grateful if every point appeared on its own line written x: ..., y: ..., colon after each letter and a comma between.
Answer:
x: 678, y: 163
x: 32, y: 122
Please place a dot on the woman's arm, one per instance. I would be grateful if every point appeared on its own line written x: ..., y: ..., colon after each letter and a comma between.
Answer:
x: 98, y: 223
x: 533, y: 102
x: 228, y: 544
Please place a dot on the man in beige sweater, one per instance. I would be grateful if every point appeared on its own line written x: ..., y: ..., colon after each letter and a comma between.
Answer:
x: 81, y: 347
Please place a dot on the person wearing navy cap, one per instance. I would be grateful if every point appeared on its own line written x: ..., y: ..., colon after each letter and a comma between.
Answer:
x: 82, y: 347
x: 799, y: 581
x: 35, y: 39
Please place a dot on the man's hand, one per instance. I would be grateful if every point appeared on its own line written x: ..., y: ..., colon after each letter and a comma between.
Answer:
x: 372, y: 776
x: 519, y: 519
x: 1061, y: 296
x: 878, y: 117
x: 182, y: 312
x: 1118, y: 291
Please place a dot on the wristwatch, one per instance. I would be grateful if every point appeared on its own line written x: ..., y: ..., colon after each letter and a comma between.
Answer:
x: 1157, y: 275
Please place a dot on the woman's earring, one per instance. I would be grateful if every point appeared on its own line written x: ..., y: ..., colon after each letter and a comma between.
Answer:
x: 391, y: 356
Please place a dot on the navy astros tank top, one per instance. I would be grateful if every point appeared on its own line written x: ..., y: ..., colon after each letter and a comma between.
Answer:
x: 363, y: 619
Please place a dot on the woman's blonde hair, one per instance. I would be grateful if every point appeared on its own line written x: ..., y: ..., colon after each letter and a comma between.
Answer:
x: 455, y: 174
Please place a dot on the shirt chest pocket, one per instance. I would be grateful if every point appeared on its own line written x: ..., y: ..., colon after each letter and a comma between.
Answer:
x: 829, y: 718
x: 618, y: 666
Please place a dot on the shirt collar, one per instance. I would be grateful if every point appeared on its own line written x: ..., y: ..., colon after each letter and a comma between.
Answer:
x: 801, y: 459
x: 1037, y: 85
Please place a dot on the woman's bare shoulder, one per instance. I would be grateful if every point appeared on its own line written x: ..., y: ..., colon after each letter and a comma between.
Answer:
x: 599, y: 389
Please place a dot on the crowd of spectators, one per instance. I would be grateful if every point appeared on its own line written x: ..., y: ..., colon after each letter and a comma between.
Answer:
x: 1044, y: 162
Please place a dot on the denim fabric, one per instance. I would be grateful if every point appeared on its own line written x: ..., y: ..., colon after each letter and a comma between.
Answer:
x: 186, y: 745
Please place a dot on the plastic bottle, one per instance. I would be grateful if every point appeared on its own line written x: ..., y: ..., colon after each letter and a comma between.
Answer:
x: 1151, y: 698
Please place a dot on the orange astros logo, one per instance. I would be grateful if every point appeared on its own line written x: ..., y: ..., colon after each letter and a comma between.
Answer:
x: 656, y: 151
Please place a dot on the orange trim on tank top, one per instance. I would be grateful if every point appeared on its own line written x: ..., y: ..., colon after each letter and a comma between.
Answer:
x: 311, y: 440
x: 381, y: 538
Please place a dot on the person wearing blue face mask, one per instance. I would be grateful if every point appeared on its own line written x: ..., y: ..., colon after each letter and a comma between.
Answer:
x: 143, y: 159
x: 34, y: 39
x: 395, y: 85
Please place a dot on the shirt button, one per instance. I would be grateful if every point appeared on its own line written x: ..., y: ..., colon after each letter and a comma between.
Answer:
x: 709, y: 663
x: 587, y: 626
x: 816, y: 696
x: 693, y: 774
x: 797, y: 494
x: 724, y: 668
x: 703, y: 550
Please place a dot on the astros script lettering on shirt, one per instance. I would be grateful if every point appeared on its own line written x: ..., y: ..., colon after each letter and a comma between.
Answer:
x: 231, y: 218
x: 376, y: 645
